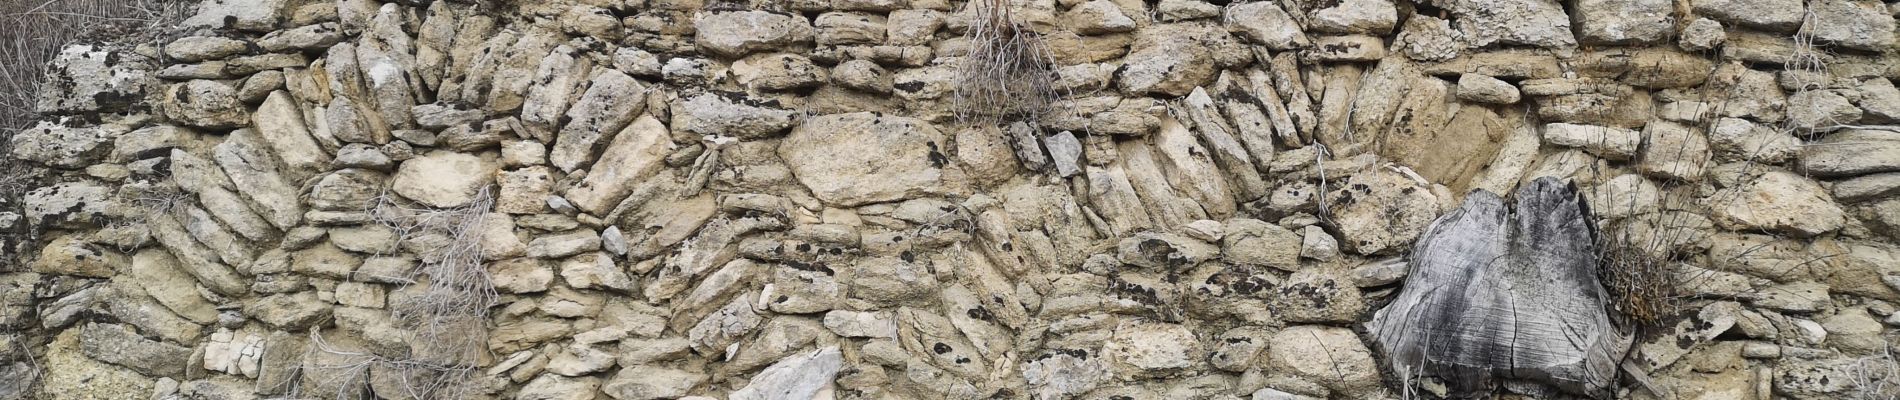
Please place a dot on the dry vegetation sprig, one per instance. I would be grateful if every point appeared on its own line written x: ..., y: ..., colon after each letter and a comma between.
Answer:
x: 1876, y: 377
x: 1643, y: 288
x: 446, y: 318
x: 1008, y: 74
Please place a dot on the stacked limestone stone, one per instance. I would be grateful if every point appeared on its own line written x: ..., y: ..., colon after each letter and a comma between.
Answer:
x: 772, y: 200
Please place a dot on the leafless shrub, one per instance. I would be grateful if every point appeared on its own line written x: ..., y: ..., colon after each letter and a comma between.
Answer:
x: 1643, y: 288
x: 446, y: 319
x: 1875, y: 377
x: 1008, y: 74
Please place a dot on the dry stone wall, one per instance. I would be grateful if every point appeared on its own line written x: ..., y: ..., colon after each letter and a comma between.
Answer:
x: 655, y: 199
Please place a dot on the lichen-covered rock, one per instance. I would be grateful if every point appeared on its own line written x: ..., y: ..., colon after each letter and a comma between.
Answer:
x: 1623, y: 21
x: 1540, y: 23
x: 61, y: 146
x: 205, y: 104
x: 256, y: 16
x: 745, y: 118
x: 858, y: 158
x: 1381, y: 211
x: 735, y: 34
x: 93, y: 78
x: 1172, y: 60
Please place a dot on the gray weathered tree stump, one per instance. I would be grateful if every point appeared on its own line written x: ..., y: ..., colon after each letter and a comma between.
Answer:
x: 1501, y: 294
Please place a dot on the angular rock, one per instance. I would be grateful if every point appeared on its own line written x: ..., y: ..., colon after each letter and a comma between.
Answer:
x: 60, y: 146
x: 1852, y: 153
x: 1098, y: 17
x: 652, y: 383
x: 1265, y: 24
x: 1778, y: 201
x: 1673, y: 151
x: 800, y: 376
x: 1771, y: 15
x: 849, y: 28
x: 1624, y: 21
x: 778, y: 72
x: 87, y: 78
x: 1822, y: 110
x: 308, y: 37
x: 1740, y: 139
x: 1255, y: 242
x: 202, y: 48
x: 554, y: 81
x: 520, y: 275
x: 1701, y: 34
x: 1540, y: 23
x: 1356, y: 17
x: 735, y: 34
x: 636, y: 154
x: 205, y: 104
x: 1868, y: 187
x: 1330, y: 357
x: 1171, y: 60
x: 254, y: 16
x: 1164, y: 251
x: 858, y: 158
x: 713, y: 114
x: 288, y: 311
x: 1485, y: 89
x: 1855, y: 24
x: 1381, y: 211
x: 280, y: 123
x: 564, y: 244
x: 525, y: 190
x: 118, y: 344
x: 1154, y: 348
x: 556, y: 387
x: 1606, y: 142
x: 70, y: 205
x: 443, y: 179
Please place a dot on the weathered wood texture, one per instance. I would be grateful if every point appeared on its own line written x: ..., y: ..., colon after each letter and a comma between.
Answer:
x: 1499, y: 294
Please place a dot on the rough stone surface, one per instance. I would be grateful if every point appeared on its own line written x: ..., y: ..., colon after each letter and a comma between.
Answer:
x: 897, y: 158
x: 1778, y: 201
x: 443, y: 179
x: 693, y: 199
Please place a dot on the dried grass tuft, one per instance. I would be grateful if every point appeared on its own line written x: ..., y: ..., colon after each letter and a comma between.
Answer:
x: 1008, y: 74
x: 1644, y: 288
x: 447, y: 318
x: 1875, y: 377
